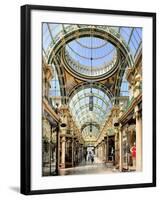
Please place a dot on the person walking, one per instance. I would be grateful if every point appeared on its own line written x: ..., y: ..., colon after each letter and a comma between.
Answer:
x: 92, y: 158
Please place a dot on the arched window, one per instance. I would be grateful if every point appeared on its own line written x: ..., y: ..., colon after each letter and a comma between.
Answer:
x: 124, y: 91
x: 54, y: 92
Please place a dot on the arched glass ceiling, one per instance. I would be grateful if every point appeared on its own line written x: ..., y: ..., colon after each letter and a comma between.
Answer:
x: 90, y: 133
x: 90, y: 106
x: 90, y: 55
x: 132, y: 36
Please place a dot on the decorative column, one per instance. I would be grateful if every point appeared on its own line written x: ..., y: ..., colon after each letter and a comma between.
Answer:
x: 98, y: 151
x: 103, y: 150
x: 138, y: 139
x: 116, y: 146
x: 137, y: 85
x: 101, y: 156
x: 120, y: 149
x: 48, y: 75
x: 63, y: 146
x: 46, y: 140
x: 59, y: 149
x: 50, y: 151
x: 107, y: 148
x: 63, y: 152
x: 72, y: 149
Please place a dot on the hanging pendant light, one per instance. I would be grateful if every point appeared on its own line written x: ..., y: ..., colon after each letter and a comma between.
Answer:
x: 91, y: 129
x: 91, y: 101
x: 91, y: 94
x: 56, y: 100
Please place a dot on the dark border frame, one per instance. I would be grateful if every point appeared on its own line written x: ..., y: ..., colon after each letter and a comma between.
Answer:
x: 26, y: 98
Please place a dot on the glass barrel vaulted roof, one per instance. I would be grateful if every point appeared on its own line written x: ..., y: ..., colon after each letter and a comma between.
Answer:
x: 100, y: 52
x: 80, y: 109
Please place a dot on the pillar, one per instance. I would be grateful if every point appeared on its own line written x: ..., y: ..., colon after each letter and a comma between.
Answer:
x: 103, y: 150
x: 59, y: 149
x: 120, y: 149
x: 101, y: 155
x: 137, y: 85
x: 99, y: 151
x: 63, y: 152
x: 138, y: 139
x: 72, y: 151
x: 116, y: 147
x: 104, y: 155
x: 107, y: 147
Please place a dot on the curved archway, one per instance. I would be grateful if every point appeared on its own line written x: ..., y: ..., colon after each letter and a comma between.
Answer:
x: 96, y: 85
x: 105, y: 34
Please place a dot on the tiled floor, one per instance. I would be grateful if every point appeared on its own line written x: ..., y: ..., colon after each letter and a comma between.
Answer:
x: 85, y: 167
x: 97, y: 167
